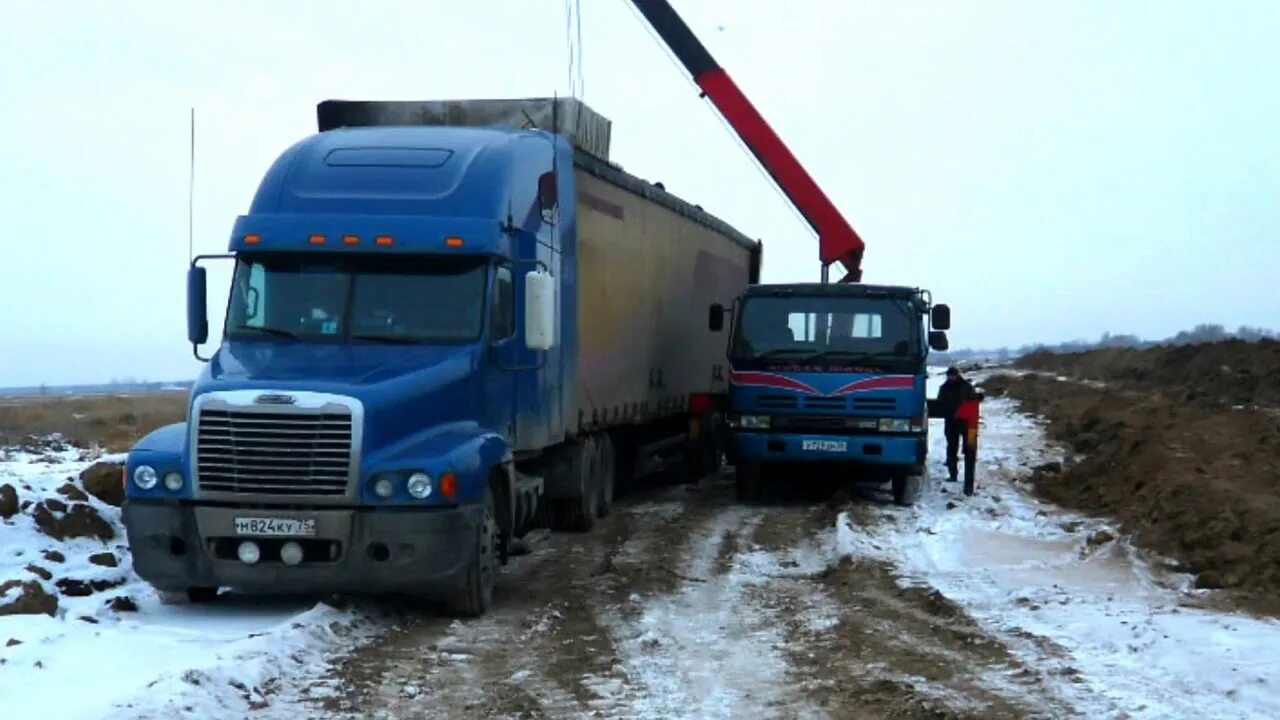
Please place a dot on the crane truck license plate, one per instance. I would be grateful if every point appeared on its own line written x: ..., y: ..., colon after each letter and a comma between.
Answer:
x: 826, y: 445
x: 276, y: 527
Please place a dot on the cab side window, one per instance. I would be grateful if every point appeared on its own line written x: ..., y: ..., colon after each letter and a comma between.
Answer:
x: 502, y: 319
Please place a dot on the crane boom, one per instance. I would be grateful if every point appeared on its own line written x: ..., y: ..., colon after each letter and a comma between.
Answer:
x: 837, y: 240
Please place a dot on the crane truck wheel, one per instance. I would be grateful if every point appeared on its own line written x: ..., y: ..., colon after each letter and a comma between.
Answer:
x: 606, y: 475
x: 749, y: 479
x: 476, y: 594
x: 906, y: 488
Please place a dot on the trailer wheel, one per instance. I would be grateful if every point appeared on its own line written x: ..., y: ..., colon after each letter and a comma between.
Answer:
x: 578, y: 513
x: 476, y: 594
x: 906, y: 488
x: 749, y: 478
x: 607, y: 474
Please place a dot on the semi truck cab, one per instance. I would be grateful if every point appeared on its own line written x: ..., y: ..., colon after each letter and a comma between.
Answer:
x: 832, y: 375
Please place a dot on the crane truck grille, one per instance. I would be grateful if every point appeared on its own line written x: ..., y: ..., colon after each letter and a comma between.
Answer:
x: 279, y: 453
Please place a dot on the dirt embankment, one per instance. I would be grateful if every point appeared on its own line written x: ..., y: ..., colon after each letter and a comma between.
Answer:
x: 111, y: 422
x: 1229, y: 373
x: 1187, y: 461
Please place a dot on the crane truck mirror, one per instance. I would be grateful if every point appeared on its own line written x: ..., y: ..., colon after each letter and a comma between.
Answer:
x: 548, y: 191
x: 938, y: 341
x: 715, y: 318
x: 539, y: 310
x: 197, y: 312
x: 940, y: 318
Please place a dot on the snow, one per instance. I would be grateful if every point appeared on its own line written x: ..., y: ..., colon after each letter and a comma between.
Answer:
x: 93, y: 662
x: 1069, y: 594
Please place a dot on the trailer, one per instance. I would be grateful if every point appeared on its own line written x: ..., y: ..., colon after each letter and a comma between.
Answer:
x: 449, y: 323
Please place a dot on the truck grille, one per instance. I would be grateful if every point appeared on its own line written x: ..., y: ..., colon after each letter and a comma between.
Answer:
x: 273, y: 453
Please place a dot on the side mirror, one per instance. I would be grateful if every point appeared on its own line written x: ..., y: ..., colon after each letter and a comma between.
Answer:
x: 548, y: 191
x: 941, y: 317
x: 539, y: 310
x: 938, y: 341
x: 197, y: 306
x: 715, y: 319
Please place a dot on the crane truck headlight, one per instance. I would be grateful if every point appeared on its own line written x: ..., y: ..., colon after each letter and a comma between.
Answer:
x: 419, y: 485
x: 384, y: 488
x: 749, y: 422
x: 895, y: 425
x: 173, y: 481
x: 145, y: 477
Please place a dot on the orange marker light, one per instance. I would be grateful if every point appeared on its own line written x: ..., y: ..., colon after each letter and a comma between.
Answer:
x: 453, y: 241
x: 317, y: 240
x: 251, y: 239
x: 449, y: 485
x: 383, y: 240
x: 350, y: 239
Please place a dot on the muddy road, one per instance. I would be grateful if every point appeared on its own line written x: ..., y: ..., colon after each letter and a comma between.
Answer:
x: 686, y: 604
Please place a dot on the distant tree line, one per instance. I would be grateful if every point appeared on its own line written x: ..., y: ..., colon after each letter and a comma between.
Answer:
x: 1203, y: 333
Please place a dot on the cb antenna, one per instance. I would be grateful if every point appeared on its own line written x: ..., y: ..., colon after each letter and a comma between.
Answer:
x: 191, y: 192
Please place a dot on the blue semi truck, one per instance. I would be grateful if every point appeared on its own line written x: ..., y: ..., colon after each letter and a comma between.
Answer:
x: 448, y: 323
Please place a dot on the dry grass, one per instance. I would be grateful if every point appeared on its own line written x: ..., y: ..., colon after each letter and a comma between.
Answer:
x: 112, y: 422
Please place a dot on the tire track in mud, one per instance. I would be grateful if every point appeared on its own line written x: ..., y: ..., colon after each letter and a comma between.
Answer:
x: 541, y: 651
x: 687, y: 604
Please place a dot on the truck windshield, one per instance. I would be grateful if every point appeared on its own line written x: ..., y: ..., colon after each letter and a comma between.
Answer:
x: 827, y: 330
x: 357, y: 297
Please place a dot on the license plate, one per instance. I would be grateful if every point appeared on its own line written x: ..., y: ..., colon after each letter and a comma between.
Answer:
x: 276, y: 527
x: 825, y: 445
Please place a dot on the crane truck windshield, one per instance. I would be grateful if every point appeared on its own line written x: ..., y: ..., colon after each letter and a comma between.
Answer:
x: 876, y: 332
x: 357, y: 298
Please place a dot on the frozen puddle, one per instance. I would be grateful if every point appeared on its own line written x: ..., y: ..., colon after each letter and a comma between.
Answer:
x: 1068, y: 595
x: 1016, y: 562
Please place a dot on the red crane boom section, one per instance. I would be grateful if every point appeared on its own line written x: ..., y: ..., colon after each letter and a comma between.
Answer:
x: 837, y: 240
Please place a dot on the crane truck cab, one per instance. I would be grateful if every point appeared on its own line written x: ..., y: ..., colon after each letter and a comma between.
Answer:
x: 831, y: 375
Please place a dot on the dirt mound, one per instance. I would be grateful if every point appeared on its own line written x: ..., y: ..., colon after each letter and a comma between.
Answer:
x: 8, y: 502
x: 104, y: 481
x: 60, y: 521
x: 1190, y: 479
x: 31, y: 598
x: 1231, y: 373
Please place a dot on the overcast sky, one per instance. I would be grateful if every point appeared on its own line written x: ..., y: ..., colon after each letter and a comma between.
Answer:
x: 1052, y: 170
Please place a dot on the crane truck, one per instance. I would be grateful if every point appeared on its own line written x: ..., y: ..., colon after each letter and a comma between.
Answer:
x: 822, y: 375
x: 449, y: 323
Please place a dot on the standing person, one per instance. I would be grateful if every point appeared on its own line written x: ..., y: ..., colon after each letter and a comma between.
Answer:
x: 953, y: 393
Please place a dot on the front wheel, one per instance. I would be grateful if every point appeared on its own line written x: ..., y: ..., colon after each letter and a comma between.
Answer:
x: 749, y: 478
x: 906, y: 488
x: 476, y: 594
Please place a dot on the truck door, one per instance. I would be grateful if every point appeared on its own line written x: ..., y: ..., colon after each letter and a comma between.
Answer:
x: 500, y: 381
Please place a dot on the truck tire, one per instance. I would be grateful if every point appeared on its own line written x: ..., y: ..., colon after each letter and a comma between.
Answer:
x: 195, y: 595
x: 607, y: 474
x: 476, y: 594
x: 578, y: 513
x: 749, y: 479
x: 906, y: 488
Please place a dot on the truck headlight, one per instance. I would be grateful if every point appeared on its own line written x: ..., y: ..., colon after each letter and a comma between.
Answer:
x: 173, y: 481
x: 749, y: 422
x: 383, y: 487
x: 145, y: 477
x: 895, y: 425
x: 419, y: 485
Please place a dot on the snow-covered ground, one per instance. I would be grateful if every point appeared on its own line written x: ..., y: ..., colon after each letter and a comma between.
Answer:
x: 117, y: 652
x: 1072, y: 591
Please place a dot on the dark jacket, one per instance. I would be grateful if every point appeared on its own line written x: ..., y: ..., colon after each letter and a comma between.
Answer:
x: 952, y: 394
